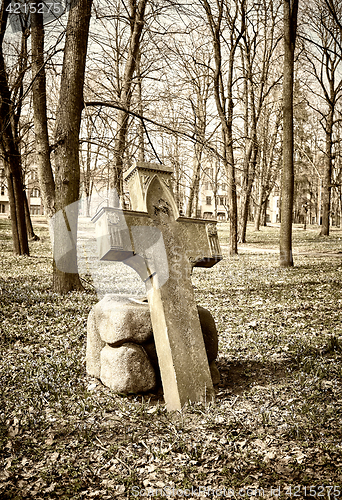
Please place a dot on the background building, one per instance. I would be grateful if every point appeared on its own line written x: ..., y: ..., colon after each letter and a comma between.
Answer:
x: 35, y: 202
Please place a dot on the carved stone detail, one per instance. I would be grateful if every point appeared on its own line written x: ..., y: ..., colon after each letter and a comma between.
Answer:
x: 162, y: 207
x: 166, y: 182
x: 212, y: 230
x: 145, y: 179
x: 114, y: 230
x: 113, y: 218
x: 213, y: 239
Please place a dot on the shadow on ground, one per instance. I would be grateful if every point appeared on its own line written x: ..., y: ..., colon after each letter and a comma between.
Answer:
x: 240, y: 376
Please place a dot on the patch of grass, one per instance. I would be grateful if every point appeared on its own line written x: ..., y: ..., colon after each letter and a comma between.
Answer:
x: 276, y: 419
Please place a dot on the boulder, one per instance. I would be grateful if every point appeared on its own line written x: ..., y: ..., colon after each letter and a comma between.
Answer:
x: 127, y: 369
x: 209, y: 332
x: 122, y: 319
x: 215, y: 374
x: 94, y: 346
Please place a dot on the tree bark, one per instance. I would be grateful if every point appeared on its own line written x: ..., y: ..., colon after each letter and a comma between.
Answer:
x: 225, y: 105
x: 259, y: 207
x: 10, y: 151
x: 141, y: 149
x: 287, y: 188
x: 67, y: 166
x: 137, y: 24
x: 326, y: 191
x: 43, y: 161
x: 191, y: 209
x: 30, y: 232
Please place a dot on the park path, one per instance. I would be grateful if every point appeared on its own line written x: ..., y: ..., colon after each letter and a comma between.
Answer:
x: 251, y: 249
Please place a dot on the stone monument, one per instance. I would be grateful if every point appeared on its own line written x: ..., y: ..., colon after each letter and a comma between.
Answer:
x: 163, y: 248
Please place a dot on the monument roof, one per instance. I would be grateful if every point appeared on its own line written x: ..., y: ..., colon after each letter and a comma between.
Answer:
x: 144, y: 165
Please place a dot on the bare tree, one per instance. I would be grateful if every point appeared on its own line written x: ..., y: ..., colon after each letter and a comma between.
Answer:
x: 287, y: 182
x: 259, y: 45
x: 42, y: 146
x: 137, y: 14
x: 325, y: 61
x: 269, y: 158
x: 63, y: 191
x: 226, y: 25
x: 191, y: 88
x: 10, y: 108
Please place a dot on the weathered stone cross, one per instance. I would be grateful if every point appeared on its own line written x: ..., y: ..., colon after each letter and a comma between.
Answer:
x: 163, y: 247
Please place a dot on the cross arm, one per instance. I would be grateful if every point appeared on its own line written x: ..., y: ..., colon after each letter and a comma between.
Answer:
x: 202, y: 247
x: 130, y: 237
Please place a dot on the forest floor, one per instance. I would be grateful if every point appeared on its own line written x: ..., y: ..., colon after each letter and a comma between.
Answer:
x: 275, y: 428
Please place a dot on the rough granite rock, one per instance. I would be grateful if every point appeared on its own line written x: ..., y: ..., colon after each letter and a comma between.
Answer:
x: 121, y: 321
x: 115, y: 320
x: 127, y: 369
x: 215, y: 374
x: 94, y: 346
x: 209, y: 332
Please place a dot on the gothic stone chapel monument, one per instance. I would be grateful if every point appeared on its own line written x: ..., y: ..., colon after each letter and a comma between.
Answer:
x: 162, y: 247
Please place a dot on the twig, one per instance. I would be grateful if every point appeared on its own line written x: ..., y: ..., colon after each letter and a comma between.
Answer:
x: 123, y: 463
x: 101, y: 445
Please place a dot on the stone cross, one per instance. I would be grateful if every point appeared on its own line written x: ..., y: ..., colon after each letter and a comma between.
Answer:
x: 163, y: 248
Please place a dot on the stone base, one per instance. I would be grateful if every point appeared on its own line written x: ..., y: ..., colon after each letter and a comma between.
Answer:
x: 127, y: 369
x: 120, y: 346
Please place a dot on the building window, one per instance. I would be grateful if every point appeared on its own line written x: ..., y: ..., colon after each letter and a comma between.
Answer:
x: 207, y: 186
x: 2, y: 190
x: 224, y: 186
x: 35, y: 193
x: 2, y: 208
x: 34, y: 175
x: 2, y: 172
x: 207, y: 215
x: 220, y: 200
x: 35, y: 210
x: 208, y: 200
x: 209, y: 172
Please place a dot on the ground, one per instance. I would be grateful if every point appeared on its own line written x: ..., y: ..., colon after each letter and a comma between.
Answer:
x: 273, y: 432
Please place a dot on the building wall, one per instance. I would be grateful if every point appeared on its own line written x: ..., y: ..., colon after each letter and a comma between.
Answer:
x: 208, y: 207
x: 32, y: 192
x: 273, y: 209
x: 208, y: 210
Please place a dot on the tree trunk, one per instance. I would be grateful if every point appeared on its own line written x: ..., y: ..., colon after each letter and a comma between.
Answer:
x: 246, y: 198
x: 16, y: 200
x: 141, y: 149
x: 137, y: 24
x: 251, y: 148
x: 259, y: 207
x: 67, y: 177
x: 30, y: 232
x: 264, y: 213
x: 191, y: 209
x: 10, y: 151
x: 225, y: 105
x: 326, y: 191
x: 200, y: 112
x: 45, y: 174
x: 233, y: 222
x: 290, y: 29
